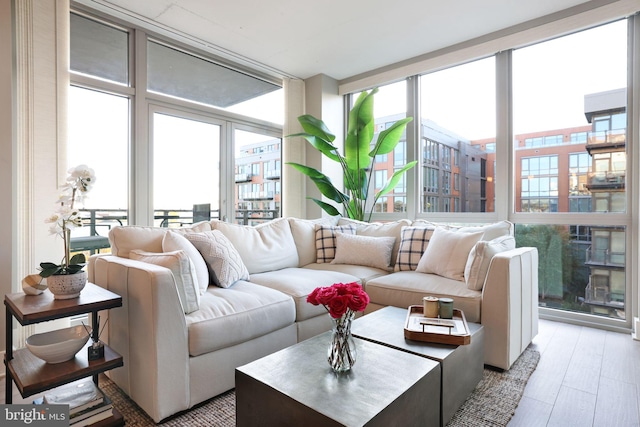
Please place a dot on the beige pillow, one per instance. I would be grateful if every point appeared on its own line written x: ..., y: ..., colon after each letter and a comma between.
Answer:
x: 184, y: 274
x: 174, y: 242
x: 364, y: 250
x: 379, y: 229
x: 223, y: 260
x: 475, y: 272
x: 265, y: 247
x: 447, y: 253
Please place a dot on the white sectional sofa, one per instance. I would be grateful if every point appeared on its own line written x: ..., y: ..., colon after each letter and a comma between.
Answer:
x: 200, y: 301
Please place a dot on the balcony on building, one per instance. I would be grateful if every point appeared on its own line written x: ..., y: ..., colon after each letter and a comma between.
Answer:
x: 606, y: 180
x: 606, y: 140
x: 243, y: 177
x: 604, y: 258
x: 258, y: 195
x: 273, y: 174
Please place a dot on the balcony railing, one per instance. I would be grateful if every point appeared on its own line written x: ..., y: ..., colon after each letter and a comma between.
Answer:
x: 606, y: 139
x: 258, y: 195
x: 606, y: 180
x: 604, y: 258
x: 243, y: 177
x: 272, y: 174
x: 97, y: 223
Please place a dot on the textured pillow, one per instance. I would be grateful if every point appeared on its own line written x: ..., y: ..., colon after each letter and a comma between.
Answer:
x: 183, y: 271
x: 475, y: 272
x: 265, y: 247
x: 222, y: 259
x: 364, y: 250
x: 326, y: 240
x: 447, y: 253
x: 414, y: 241
x: 174, y: 242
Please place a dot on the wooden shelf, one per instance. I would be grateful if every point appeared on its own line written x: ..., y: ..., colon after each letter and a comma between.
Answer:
x: 29, y: 309
x: 33, y: 375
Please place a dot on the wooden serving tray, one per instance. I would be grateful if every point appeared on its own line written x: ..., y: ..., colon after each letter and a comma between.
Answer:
x: 441, y: 331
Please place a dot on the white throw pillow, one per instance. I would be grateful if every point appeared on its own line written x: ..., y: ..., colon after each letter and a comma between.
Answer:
x: 379, y: 229
x: 447, y: 253
x: 174, y: 242
x: 475, y: 272
x: 223, y: 260
x: 265, y: 247
x: 184, y: 274
x: 326, y: 240
x: 414, y: 241
x: 364, y: 250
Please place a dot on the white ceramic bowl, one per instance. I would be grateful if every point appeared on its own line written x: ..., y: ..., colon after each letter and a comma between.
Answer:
x: 58, y: 346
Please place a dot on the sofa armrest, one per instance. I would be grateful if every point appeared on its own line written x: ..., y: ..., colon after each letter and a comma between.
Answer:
x: 509, y: 310
x: 149, y: 331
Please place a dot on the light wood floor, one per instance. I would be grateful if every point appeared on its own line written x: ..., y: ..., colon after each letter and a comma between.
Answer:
x: 585, y: 377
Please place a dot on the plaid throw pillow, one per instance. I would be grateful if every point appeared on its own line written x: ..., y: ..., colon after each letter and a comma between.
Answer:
x: 326, y: 240
x: 413, y: 243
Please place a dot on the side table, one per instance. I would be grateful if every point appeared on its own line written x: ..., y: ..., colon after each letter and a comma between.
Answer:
x: 33, y: 375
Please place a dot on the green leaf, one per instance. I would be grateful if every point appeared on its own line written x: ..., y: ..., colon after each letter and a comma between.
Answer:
x: 389, y: 138
x: 395, y: 178
x: 326, y: 148
x: 78, y: 259
x: 49, y: 269
x: 360, y: 131
x: 322, y: 182
x: 330, y: 209
x: 316, y: 127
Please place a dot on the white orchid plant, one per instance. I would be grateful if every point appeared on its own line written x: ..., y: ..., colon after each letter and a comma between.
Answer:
x: 67, y: 217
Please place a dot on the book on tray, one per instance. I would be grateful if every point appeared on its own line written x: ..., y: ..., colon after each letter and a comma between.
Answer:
x: 79, y: 395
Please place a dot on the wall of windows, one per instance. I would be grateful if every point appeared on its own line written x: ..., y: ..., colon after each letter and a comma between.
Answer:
x: 564, y: 140
x: 162, y: 133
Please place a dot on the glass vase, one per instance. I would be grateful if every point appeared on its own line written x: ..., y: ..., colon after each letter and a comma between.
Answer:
x: 341, y: 354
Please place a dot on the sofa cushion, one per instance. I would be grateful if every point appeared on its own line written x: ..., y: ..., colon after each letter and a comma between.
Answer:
x: 304, y: 234
x: 176, y: 241
x: 362, y: 272
x: 265, y: 247
x: 298, y: 283
x: 405, y: 288
x: 447, y: 253
x: 223, y: 260
x: 230, y: 316
x: 364, y: 250
x: 475, y: 271
x: 414, y: 241
x: 326, y: 240
x: 379, y: 229
x: 184, y: 274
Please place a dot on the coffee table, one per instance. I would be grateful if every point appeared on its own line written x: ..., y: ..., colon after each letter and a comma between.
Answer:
x: 296, y: 387
x: 461, y: 367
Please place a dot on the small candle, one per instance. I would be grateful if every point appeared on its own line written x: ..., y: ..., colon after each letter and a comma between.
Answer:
x: 430, y: 306
x: 446, y: 308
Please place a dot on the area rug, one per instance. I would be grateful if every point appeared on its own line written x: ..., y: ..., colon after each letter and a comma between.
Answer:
x: 492, y: 403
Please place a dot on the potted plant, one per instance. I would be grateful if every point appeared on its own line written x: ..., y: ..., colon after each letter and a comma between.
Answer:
x: 67, y: 279
x: 358, y: 160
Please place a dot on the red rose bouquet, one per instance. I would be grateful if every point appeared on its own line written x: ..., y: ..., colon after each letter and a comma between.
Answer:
x: 339, y: 298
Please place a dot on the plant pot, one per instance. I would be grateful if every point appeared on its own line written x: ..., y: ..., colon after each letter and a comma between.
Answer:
x: 67, y: 286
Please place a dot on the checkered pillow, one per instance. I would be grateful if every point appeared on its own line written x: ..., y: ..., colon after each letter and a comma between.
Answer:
x: 326, y: 240
x: 413, y: 243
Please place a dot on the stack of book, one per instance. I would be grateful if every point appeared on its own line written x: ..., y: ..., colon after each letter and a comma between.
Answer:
x: 87, y: 403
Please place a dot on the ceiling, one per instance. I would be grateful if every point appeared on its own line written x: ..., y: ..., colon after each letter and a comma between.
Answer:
x: 339, y: 38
